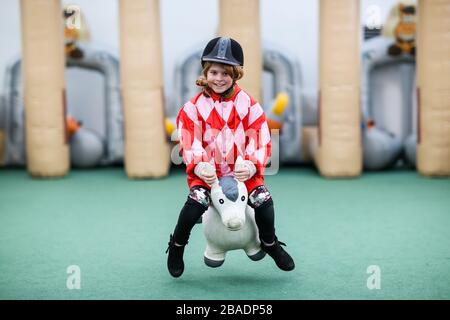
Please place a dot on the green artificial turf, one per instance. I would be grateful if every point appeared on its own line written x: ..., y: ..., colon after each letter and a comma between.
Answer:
x: 116, y: 230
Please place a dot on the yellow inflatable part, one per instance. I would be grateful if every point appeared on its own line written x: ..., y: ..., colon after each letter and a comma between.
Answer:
x: 170, y: 126
x: 281, y: 102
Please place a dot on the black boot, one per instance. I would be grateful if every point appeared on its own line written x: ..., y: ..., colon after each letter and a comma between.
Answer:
x: 175, y: 262
x: 281, y: 257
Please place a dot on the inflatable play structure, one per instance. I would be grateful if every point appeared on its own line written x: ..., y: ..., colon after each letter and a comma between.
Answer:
x: 134, y: 111
x: 388, y: 103
x: 88, y: 148
x: 378, y: 102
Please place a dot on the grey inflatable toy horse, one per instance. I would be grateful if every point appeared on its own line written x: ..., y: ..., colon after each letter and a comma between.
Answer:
x: 229, y: 223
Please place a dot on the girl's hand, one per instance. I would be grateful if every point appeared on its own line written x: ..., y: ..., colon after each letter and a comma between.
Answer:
x: 209, y: 178
x: 206, y: 172
x: 242, y: 173
x: 244, y: 170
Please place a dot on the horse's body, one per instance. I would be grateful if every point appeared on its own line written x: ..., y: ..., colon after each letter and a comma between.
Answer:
x: 229, y: 223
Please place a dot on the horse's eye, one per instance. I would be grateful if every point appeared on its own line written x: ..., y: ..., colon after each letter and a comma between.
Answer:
x: 243, y: 198
x: 221, y: 201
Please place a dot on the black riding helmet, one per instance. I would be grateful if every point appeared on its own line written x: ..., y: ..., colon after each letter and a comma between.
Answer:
x: 223, y: 50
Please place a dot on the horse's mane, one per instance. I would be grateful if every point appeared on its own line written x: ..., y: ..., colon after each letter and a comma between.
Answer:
x: 229, y: 187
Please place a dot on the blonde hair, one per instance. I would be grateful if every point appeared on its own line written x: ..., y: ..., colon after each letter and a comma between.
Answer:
x: 235, y: 72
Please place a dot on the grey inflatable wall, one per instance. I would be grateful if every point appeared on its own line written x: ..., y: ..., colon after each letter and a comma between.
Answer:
x: 13, y: 107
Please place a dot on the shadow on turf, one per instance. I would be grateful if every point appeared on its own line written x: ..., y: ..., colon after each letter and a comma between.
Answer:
x: 222, y: 281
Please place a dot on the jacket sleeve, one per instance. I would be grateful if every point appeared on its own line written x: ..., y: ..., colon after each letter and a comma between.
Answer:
x: 258, y: 145
x: 190, y: 135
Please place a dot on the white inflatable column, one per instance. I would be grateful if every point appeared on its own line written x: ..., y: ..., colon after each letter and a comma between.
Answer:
x: 433, y: 80
x: 340, y: 151
x: 240, y: 20
x: 146, y: 149
x: 43, y: 81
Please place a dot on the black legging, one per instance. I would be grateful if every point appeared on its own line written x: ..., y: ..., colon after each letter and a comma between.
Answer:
x: 189, y: 215
x: 199, y: 200
x: 265, y: 220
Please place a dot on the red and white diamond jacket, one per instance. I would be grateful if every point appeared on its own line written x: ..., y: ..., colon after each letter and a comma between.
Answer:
x: 216, y: 130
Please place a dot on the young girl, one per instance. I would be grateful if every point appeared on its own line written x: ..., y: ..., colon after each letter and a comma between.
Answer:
x: 215, y: 127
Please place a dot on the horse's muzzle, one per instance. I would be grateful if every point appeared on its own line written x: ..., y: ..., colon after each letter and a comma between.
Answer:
x: 234, y: 224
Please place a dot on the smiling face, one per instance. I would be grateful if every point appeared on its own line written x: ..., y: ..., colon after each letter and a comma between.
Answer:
x: 218, y: 78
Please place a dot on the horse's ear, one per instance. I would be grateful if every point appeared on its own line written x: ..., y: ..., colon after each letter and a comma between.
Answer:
x: 239, y: 161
